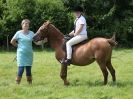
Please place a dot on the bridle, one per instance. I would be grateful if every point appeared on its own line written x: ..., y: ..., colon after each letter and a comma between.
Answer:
x: 44, y: 34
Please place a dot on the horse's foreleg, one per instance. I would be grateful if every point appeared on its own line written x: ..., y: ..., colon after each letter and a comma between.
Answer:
x: 63, y: 74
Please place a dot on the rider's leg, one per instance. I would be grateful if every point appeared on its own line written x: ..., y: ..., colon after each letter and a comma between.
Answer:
x: 75, y: 40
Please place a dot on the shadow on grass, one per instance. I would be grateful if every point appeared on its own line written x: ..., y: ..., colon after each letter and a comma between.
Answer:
x: 99, y: 83
x: 86, y: 83
x: 121, y: 84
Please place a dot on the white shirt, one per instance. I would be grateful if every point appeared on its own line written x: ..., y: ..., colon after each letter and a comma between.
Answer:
x: 80, y: 21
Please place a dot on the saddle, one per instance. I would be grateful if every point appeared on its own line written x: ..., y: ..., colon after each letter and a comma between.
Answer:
x: 67, y: 37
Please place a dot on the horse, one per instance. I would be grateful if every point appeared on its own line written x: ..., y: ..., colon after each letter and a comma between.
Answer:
x: 97, y: 49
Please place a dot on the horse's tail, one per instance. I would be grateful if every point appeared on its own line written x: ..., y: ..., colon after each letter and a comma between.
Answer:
x: 112, y: 40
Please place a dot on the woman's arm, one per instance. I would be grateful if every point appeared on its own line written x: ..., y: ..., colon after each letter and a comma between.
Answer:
x: 14, y: 42
x: 79, y: 30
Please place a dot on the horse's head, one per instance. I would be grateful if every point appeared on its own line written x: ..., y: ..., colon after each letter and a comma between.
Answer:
x: 42, y: 32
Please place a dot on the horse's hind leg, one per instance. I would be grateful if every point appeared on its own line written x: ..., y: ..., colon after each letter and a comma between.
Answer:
x: 112, y: 70
x: 103, y: 68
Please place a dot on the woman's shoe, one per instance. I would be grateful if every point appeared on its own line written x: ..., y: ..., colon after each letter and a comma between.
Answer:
x: 18, y: 79
x: 29, y: 79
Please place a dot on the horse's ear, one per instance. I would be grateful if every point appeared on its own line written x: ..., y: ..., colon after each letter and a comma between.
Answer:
x: 48, y: 22
x: 44, y: 22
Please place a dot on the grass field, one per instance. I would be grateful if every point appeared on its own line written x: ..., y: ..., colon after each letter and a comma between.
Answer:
x: 85, y: 82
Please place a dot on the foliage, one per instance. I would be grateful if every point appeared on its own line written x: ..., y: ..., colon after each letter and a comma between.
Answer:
x: 103, y: 17
x: 53, y: 11
x: 38, y: 11
x: 106, y: 17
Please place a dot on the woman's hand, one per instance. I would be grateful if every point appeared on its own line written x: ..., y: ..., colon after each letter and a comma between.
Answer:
x: 14, y: 42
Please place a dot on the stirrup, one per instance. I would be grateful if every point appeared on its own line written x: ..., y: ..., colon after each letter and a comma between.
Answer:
x: 66, y: 62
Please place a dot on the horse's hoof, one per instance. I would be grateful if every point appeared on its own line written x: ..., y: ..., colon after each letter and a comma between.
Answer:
x: 114, y: 83
x: 66, y: 83
x: 104, y: 84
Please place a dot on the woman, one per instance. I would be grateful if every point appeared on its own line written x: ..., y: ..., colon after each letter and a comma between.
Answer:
x: 79, y: 32
x: 23, y: 41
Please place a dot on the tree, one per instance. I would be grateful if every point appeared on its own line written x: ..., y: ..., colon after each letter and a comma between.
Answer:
x: 106, y: 17
x: 13, y: 13
x: 37, y: 11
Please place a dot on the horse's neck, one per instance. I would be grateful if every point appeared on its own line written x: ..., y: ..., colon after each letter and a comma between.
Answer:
x: 56, y: 38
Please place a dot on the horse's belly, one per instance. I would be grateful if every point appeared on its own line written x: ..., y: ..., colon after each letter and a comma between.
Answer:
x: 83, y: 56
x: 83, y: 62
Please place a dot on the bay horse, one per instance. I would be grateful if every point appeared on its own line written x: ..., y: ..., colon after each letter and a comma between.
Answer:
x: 97, y: 49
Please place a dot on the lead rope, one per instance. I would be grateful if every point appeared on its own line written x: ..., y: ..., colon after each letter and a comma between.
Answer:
x: 14, y: 59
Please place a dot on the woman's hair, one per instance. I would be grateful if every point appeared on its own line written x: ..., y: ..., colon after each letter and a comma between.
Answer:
x: 25, y: 20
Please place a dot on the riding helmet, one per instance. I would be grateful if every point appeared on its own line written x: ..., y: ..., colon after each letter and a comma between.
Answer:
x: 78, y: 8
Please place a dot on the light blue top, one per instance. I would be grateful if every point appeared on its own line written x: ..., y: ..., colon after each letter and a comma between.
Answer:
x: 24, y: 49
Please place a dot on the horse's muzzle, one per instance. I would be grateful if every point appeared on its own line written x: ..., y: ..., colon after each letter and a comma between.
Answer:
x: 36, y: 38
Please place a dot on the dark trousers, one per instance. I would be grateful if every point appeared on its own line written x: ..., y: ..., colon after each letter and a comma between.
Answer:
x: 21, y: 70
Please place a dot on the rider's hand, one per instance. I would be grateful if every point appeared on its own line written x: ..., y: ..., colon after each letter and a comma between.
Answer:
x: 75, y: 34
x: 71, y: 33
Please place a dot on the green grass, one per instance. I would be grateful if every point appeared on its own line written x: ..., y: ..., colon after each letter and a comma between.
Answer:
x: 85, y: 82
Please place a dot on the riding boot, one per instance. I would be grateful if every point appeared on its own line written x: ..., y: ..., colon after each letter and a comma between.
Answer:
x: 29, y: 79
x: 68, y: 62
x: 18, y: 79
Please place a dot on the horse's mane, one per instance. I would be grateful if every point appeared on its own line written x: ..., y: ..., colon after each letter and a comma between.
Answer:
x: 57, y: 30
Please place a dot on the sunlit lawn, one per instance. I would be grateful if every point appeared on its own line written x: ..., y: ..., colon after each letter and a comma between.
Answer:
x: 86, y: 82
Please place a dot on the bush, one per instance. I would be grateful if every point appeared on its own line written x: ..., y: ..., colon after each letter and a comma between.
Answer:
x: 103, y: 17
x: 38, y: 11
x: 53, y: 11
x: 106, y: 17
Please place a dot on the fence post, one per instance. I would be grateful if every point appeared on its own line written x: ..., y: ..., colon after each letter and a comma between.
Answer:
x: 42, y: 46
x: 7, y: 42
